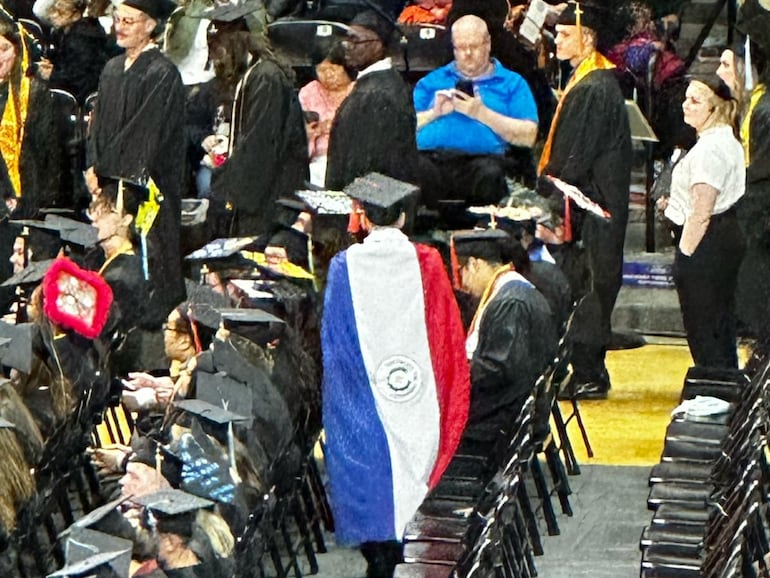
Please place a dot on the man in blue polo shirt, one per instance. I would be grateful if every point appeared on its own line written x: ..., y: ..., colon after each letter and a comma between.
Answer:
x: 476, y: 123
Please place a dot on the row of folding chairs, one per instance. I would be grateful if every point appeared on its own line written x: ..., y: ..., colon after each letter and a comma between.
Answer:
x: 709, y: 491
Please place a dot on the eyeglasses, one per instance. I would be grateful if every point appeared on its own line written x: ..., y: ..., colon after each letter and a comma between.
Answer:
x: 354, y: 41
x: 125, y: 20
x: 169, y: 327
x: 468, y: 47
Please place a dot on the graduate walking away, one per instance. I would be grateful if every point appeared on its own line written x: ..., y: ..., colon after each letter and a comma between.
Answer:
x: 396, y: 382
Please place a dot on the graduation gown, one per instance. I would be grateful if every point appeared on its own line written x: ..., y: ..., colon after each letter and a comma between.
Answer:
x: 591, y: 149
x: 268, y: 155
x: 137, y: 132
x: 753, y: 291
x: 130, y: 293
x: 516, y: 340
x: 374, y: 130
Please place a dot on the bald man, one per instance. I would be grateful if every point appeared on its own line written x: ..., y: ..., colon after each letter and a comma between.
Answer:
x: 475, y: 118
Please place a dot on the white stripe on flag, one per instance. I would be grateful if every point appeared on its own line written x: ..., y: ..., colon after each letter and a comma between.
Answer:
x: 386, y: 288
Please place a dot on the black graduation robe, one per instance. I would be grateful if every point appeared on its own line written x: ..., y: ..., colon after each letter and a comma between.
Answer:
x: 591, y: 149
x: 41, y: 166
x: 269, y: 154
x: 753, y: 291
x: 554, y: 285
x: 374, y: 130
x: 516, y: 340
x: 137, y: 131
x: 131, y: 293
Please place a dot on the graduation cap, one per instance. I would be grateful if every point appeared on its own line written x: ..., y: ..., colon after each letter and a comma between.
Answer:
x: 754, y: 20
x: 485, y: 244
x: 380, y: 190
x: 205, y: 470
x: 322, y: 202
x: 608, y: 22
x: 173, y: 502
x: 220, y: 390
x: 229, y: 12
x: 256, y: 325
x: 16, y: 346
x: 32, y: 274
x: 85, y: 547
x: 75, y: 298
x: 172, y: 511
x: 68, y: 230
x: 155, y: 9
x: 94, y: 516
x: 91, y: 553
x: 213, y: 414
x: 223, y: 253
x: 295, y: 242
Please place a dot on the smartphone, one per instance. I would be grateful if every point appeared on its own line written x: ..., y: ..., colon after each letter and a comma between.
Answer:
x: 465, y: 86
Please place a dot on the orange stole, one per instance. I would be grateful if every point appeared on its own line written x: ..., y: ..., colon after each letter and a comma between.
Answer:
x: 595, y: 61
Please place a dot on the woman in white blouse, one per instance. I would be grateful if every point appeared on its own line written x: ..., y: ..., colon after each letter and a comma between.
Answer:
x: 705, y: 186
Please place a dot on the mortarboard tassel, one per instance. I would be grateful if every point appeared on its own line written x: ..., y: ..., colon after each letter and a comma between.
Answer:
x: 567, y: 221
x: 748, y: 74
x: 454, y: 263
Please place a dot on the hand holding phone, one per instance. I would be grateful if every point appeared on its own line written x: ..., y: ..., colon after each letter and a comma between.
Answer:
x: 465, y: 86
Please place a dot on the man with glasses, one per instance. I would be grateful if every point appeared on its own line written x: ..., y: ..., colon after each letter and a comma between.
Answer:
x: 137, y: 133
x: 374, y: 130
x: 476, y: 122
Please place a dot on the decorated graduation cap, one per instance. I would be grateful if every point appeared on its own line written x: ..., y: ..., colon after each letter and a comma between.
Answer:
x: 215, y: 419
x: 173, y: 502
x: 321, y: 202
x: 155, y: 9
x: 379, y: 190
x: 383, y: 199
x: 223, y: 254
x: 76, y: 299
x: 205, y: 469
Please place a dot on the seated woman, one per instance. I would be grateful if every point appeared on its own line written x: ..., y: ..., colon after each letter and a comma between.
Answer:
x: 333, y: 83
x: 113, y: 213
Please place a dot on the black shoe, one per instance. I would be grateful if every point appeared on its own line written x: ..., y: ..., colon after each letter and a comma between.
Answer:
x: 580, y: 387
x: 626, y: 340
x: 591, y: 390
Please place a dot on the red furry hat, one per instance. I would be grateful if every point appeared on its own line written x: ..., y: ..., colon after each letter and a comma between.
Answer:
x: 75, y: 298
